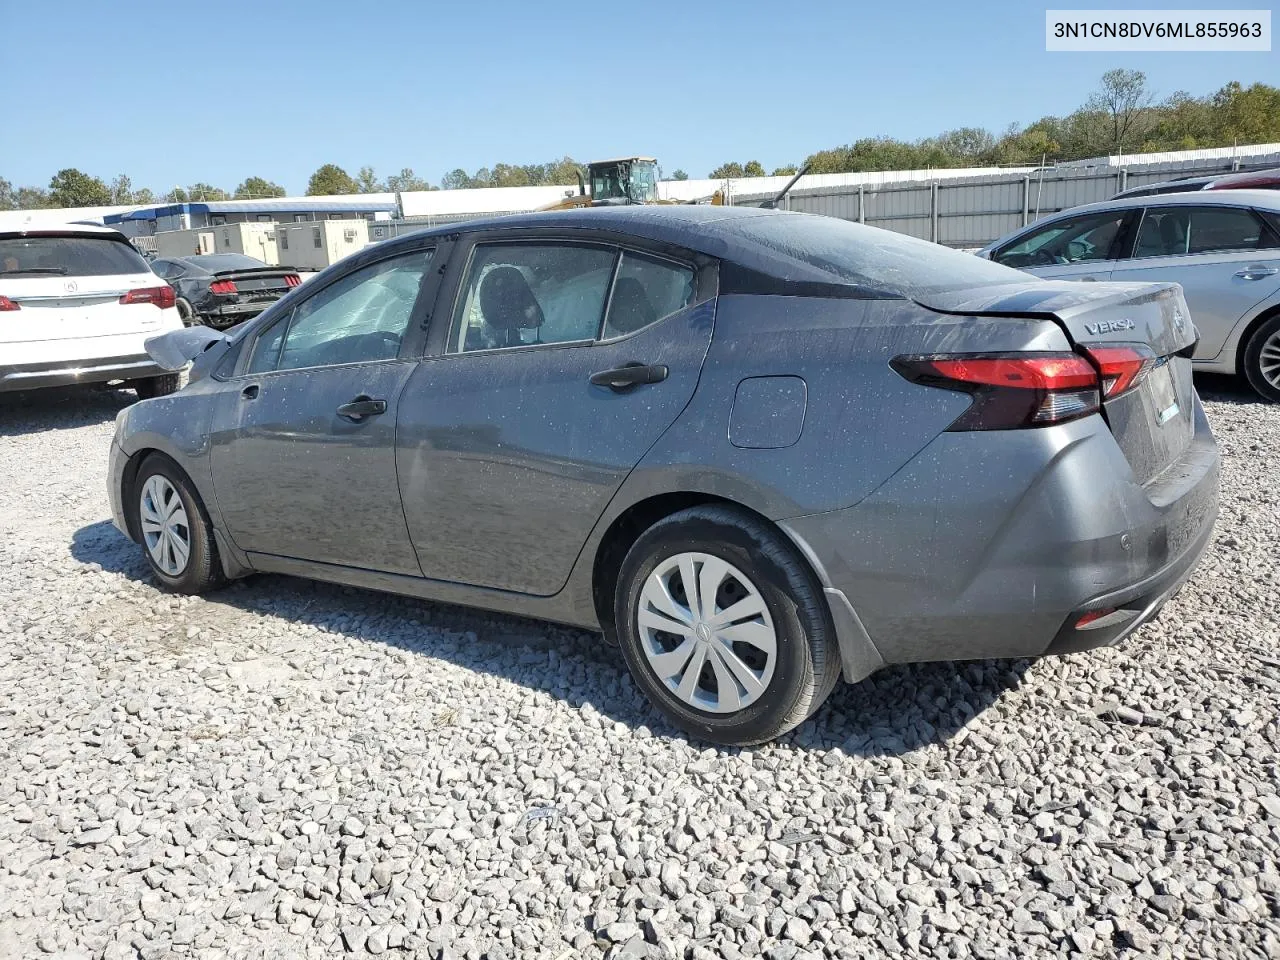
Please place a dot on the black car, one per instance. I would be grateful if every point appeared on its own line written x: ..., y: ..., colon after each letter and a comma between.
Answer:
x: 223, y: 289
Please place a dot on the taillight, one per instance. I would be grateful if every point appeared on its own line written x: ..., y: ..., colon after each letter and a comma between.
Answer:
x: 292, y: 280
x: 162, y: 297
x: 7, y: 304
x: 1010, y: 390
x: 222, y: 286
x: 1121, y: 368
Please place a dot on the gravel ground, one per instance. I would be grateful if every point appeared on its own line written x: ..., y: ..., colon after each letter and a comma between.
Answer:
x: 288, y: 769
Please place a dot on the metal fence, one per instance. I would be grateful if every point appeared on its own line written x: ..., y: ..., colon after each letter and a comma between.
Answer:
x: 973, y: 212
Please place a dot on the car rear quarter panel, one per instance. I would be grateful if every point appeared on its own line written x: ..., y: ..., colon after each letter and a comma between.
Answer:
x: 862, y: 421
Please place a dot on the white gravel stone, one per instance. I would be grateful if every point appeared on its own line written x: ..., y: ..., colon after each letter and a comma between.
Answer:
x: 293, y: 769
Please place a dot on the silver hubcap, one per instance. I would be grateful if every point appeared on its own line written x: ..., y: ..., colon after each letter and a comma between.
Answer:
x: 1269, y: 360
x: 706, y: 632
x: 164, y: 525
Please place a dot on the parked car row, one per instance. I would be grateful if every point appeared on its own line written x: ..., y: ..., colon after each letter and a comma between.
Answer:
x: 223, y: 289
x: 1249, y: 180
x: 1223, y: 248
x: 76, y: 304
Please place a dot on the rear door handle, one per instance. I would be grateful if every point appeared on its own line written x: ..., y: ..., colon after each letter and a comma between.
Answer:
x: 1256, y: 271
x: 361, y: 407
x: 250, y: 392
x: 630, y: 375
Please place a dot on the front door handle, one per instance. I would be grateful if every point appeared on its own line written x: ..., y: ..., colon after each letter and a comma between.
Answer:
x: 250, y: 392
x: 630, y: 375
x: 1256, y: 271
x: 361, y: 407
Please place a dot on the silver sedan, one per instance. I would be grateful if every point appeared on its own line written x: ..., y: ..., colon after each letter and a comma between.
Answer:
x: 1223, y: 248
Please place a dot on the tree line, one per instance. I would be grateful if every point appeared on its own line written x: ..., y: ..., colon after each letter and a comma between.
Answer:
x: 1121, y: 116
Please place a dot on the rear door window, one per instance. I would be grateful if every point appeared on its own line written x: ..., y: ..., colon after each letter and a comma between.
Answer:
x: 1180, y: 231
x: 646, y: 290
x: 34, y: 256
x: 524, y: 294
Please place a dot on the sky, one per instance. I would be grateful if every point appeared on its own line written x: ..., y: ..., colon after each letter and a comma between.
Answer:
x: 172, y: 94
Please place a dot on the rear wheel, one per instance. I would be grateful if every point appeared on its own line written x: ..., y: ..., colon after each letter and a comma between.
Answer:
x: 1262, y: 360
x: 155, y: 386
x: 724, y: 627
x: 176, y: 534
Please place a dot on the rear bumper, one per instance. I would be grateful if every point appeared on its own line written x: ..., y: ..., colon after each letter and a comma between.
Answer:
x: 61, y: 373
x: 994, y: 544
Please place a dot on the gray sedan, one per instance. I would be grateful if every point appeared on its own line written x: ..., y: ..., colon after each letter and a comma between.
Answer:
x: 1223, y: 247
x: 757, y: 450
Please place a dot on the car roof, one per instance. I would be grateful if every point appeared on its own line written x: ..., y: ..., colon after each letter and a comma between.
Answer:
x: 64, y: 229
x: 700, y: 227
x: 1267, y: 199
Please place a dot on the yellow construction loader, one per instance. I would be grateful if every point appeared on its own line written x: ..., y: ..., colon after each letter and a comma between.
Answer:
x: 624, y: 180
x: 621, y: 180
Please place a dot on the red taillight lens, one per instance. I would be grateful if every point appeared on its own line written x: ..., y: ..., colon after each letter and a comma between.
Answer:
x: 1011, y: 390
x: 222, y: 286
x: 1121, y: 368
x: 292, y: 280
x: 162, y: 297
x: 7, y: 304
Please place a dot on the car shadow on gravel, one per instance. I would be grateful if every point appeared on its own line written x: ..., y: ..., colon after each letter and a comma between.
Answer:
x: 894, y: 712
x: 60, y: 408
x: 1221, y: 388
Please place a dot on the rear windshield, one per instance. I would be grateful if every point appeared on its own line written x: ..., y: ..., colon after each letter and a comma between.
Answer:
x: 214, y: 262
x: 871, y: 257
x: 68, y: 257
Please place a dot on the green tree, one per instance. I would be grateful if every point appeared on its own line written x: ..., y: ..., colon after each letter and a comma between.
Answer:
x: 144, y: 195
x: 176, y: 195
x: 456, y: 179
x: 8, y: 196
x: 33, y: 198
x: 406, y: 180
x: 726, y: 170
x: 368, y: 181
x: 206, y: 193
x: 1125, y: 101
x: 563, y: 172
x: 753, y: 168
x: 330, y: 180
x: 71, y: 188
x: 788, y: 171
x: 253, y: 188
x: 679, y: 175
x: 121, y: 189
x: 1247, y: 114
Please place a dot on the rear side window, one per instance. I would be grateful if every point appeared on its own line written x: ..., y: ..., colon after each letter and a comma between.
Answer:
x: 522, y: 294
x: 68, y: 257
x: 1178, y: 231
x: 646, y: 290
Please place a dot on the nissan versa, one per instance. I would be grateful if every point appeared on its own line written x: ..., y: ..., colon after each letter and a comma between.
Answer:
x: 757, y: 449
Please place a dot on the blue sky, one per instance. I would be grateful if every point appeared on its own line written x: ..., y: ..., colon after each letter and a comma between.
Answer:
x: 174, y: 94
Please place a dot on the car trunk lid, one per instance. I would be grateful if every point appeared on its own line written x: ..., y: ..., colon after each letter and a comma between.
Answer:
x: 63, y: 308
x: 264, y: 283
x: 1152, y: 423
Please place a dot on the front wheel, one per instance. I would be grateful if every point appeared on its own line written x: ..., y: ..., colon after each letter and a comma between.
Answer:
x: 724, y: 627
x: 1262, y: 360
x: 176, y: 534
x: 155, y: 386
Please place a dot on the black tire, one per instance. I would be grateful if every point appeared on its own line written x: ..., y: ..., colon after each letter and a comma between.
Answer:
x: 155, y: 386
x: 188, y: 314
x: 1267, y: 335
x: 807, y: 660
x: 203, y: 570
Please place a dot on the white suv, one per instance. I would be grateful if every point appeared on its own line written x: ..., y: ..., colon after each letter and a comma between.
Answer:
x: 76, y: 304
